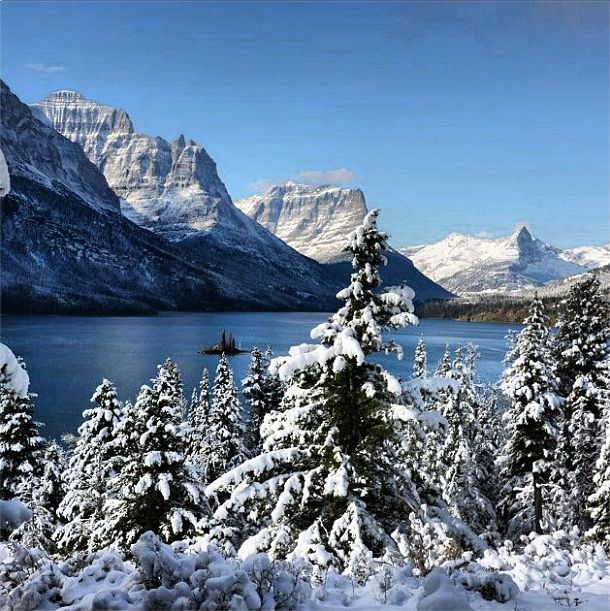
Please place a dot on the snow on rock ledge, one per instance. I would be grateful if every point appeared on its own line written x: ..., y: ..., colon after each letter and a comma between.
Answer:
x: 12, y: 373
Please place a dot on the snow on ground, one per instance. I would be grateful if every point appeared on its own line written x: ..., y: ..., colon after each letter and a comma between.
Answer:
x: 550, y: 572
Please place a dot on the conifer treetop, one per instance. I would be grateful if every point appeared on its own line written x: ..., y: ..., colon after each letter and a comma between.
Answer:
x: 355, y: 330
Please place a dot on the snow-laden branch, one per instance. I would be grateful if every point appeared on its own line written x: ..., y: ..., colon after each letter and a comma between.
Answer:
x: 12, y: 373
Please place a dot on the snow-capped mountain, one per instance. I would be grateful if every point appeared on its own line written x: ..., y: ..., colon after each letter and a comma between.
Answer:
x: 590, y: 257
x: 171, y: 188
x: 65, y: 245
x: 174, y: 190
x: 315, y: 220
x: 468, y: 264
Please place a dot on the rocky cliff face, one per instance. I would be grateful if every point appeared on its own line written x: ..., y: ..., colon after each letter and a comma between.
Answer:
x: 468, y: 264
x: 315, y: 220
x: 65, y: 245
x: 173, y: 189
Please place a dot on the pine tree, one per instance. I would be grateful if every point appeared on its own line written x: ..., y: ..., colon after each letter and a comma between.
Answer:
x: 463, y: 476
x: 581, y: 349
x: 226, y: 446
x: 599, y: 502
x: 94, y: 461
x: 421, y: 358
x: 263, y: 392
x: 43, y: 493
x: 328, y: 485
x: 197, y: 418
x: 444, y: 367
x: 156, y: 488
x: 20, y: 444
x: 530, y: 384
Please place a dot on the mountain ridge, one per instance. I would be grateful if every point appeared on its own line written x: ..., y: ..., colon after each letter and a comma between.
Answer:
x: 316, y: 219
x: 470, y: 264
x: 173, y: 189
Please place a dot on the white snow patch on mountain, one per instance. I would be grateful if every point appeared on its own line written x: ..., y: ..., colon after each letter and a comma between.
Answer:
x: 469, y: 264
x: 312, y: 219
x: 590, y: 257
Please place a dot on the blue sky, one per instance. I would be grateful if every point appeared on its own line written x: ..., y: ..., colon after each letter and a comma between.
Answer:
x: 451, y: 117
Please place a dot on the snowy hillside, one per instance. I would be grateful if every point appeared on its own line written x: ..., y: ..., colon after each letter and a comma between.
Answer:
x: 173, y: 189
x: 590, y: 257
x: 469, y: 264
x: 314, y: 220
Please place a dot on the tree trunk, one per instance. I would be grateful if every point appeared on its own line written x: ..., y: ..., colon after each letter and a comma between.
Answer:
x: 537, y: 503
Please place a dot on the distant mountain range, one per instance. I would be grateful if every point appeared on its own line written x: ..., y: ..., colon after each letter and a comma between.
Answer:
x: 467, y: 264
x: 315, y: 221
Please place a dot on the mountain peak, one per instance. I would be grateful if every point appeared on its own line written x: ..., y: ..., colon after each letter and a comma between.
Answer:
x: 313, y: 219
x: 478, y: 265
x: 522, y: 232
x: 66, y: 95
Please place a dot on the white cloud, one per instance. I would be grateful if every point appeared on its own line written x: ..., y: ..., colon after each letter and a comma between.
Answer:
x: 43, y: 68
x: 339, y: 177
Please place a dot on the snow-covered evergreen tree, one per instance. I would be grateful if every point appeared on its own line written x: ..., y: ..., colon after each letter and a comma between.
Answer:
x: 20, y: 444
x: 226, y: 441
x: 42, y: 493
x: 328, y: 485
x: 253, y: 389
x: 444, y: 367
x: 94, y: 460
x: 598, y: 504
x: 420, y: 363
x: 156, y: 488
x: 263, y: 391
x: 531, y: 385
x: 197, y: 417
x: 463, y: 477
x: 582, y: 352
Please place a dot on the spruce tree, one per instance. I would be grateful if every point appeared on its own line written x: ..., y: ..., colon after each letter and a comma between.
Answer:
x: 421, y: 359
x: 156, y: 488
x: 93, y: 462
x: 582, y: 351
x: 197, y: 418
x: 20, y: 444
x: 328, y: 484
x: 464, y: 478
x: 43, y: 493
x: 598, y: 504
x: 226, y: 441
x: 444, y: 367
x: 263, y: 391
x: 531, y: 385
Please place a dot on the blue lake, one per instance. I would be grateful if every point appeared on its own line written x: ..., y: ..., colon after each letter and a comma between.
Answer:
x: 67, y: 356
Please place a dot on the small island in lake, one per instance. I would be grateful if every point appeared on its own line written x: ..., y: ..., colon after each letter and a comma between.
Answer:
x: 226, y: 345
